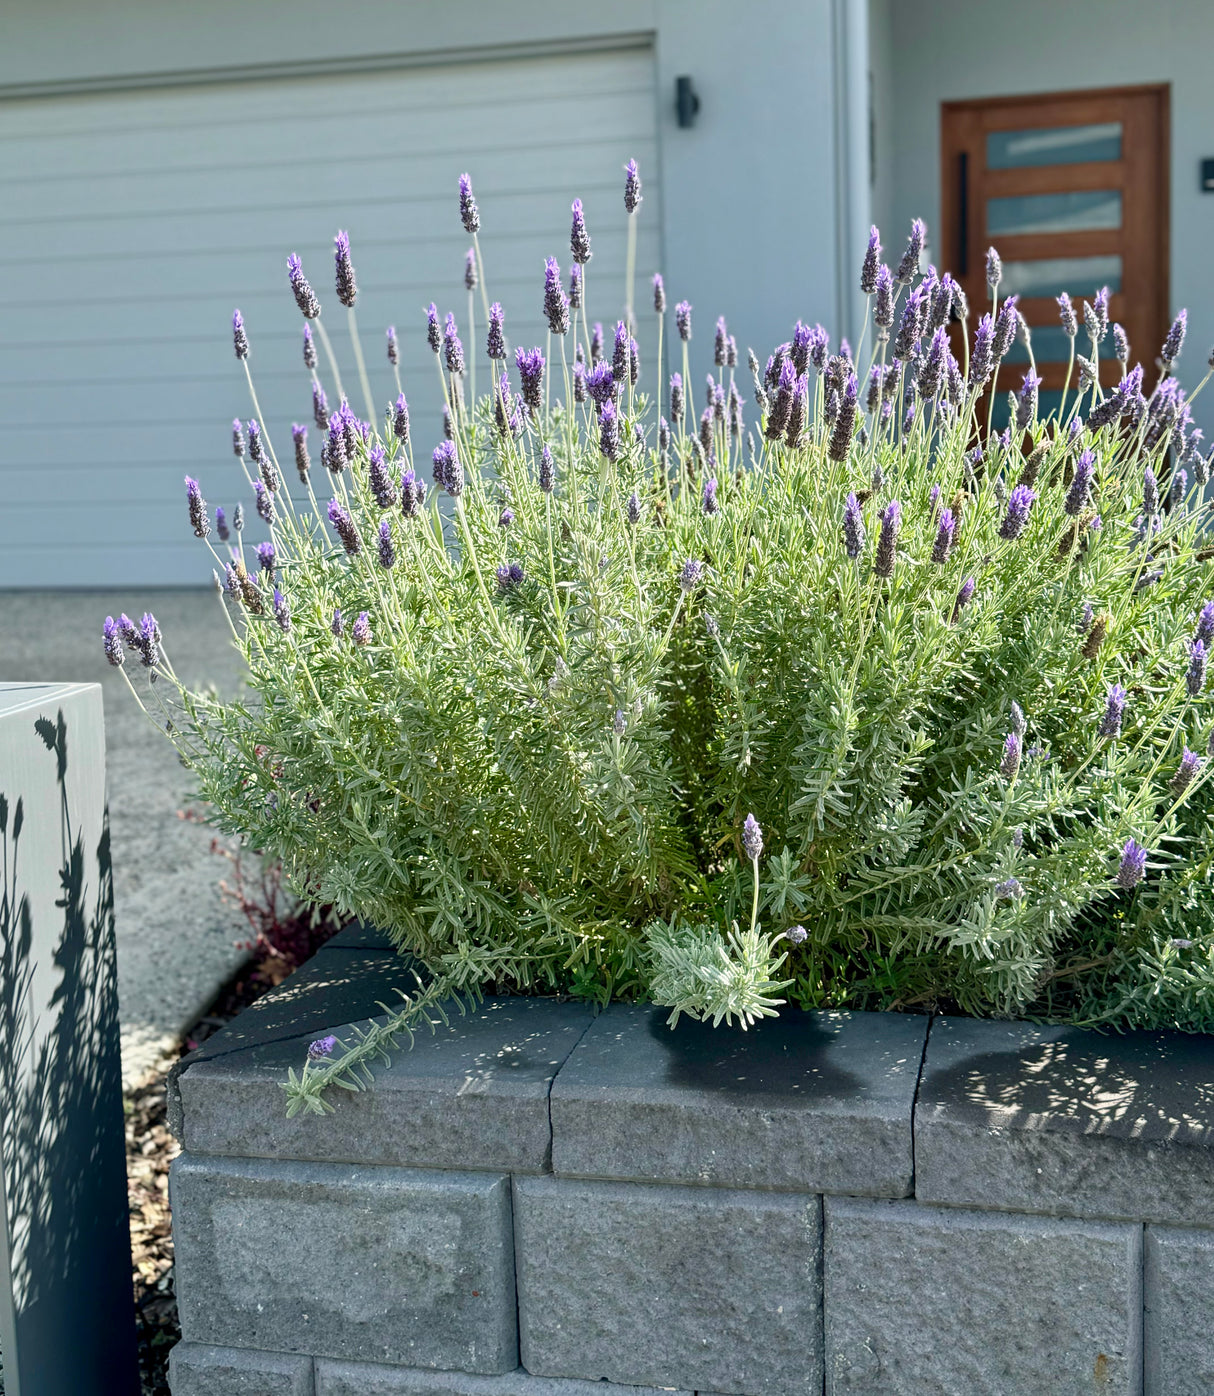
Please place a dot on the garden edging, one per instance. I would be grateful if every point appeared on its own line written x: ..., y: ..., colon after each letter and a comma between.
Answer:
x: 537, y: 1198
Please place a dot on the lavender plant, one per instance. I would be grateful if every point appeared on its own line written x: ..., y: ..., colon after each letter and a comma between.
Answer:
x: 866, y: 705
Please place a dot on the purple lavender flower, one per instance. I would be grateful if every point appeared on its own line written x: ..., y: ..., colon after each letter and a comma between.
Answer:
x: 1150, y: 493
x: 360, y: 631
x: 909, y: 265
x: 448, y: 471
x: 495, y: 340
x: 1081, y: 485
x: 505, y: 518
x: 1114, y: 711
x: 382, y: 486
x: 1005, y: 327
x: 596, y: 342
x: 412, y: 492
x: 112, y: 641
x: 149, y: 641
x: 1133, y: 865
x: 434, y: 335
x: 387, y: 549
x: 1121, y: 345
x: 691, y: 573
x: 632, y: 187
x: 752, y: 838
x: 994, y: 268
x: 238, y: 517
x: 1096, y: 315
x: 872, y: 260
x: 1179, y: 488
x: 964, y: 597
x: 345, y: 527
x: 676, y: 396
x: 221, y: 524
x: 198, y: 508
x: 1012, y: 751
x: 305, y: 297
x: 1195, y: 678
x: 1009, y: 890
x: 1205, y: 624
x: 797, y: 935
x: 1185, y: 773
x: 682, y: 320
x: 333, y: 453
x: 853, y: 527
x: 347, y: 289
x: 910, y: 326
x: 393, y: 348
x: 265, y: 502
x: 468, y: 211
x: 470, y: 277
x: 556, y: 306
x: 400, y: 420
x: 1174, y: 342
x: 240, y: 340
x: 780, y: 407
x: 579, y: 238
x: 845, y: 422
x: 266, y: 558
x: 509, y: 578
x: 633, y: 510
x: 337, y: 625
x: 1066, y: 313
x: 238, y: 443
x: 931, y: 370
x: 659, y: 294
x: 708, y: 502
x: 255, y: 447
x: 601, y: 384
x: 282, y: 612
x: 320, y: 407
x: 883, y: 302
x: 1017, y: 515
x: 796, y: 414
x: 887, y: 542
x: 609, y: 431
x: 634, y: 362
x: 1026, y: 402
x: 619, y: 357
x: 453, y: 349
x: 944, y: 536
x: 531, y: 376
x: 982, y: 354
x: 129, y: 631
x: 721, y: 343
x: 303, y: 462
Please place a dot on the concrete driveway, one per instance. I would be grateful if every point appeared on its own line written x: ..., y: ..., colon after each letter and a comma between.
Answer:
x: 176, y: 936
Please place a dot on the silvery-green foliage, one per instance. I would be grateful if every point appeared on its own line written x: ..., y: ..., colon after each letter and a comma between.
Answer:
x: 537, y: 779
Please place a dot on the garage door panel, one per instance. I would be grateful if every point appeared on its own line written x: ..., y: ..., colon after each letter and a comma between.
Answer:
x: 135, y: 222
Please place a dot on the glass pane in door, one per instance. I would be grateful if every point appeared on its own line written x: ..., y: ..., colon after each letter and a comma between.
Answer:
x: 1050, y: 276
x: 1074, y: 212
x: 1053, y: 145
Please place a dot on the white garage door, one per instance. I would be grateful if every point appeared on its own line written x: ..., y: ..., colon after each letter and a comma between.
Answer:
x: 132, y: 223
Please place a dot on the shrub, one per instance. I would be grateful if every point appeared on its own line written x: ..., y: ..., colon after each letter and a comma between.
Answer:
x: 519, y: 718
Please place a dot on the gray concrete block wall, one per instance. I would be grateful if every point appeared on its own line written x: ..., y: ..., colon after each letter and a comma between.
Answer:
x: 834, y: 1203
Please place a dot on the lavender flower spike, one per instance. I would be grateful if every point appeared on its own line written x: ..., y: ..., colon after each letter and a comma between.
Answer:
x: 434, y: 335
x: 752, y: 838
x: 495, y: 340
x: 470, y: 269
x: 1081, y: 485
x: 908, y: 267
x: 1026, y: 402
x: 709, y: 502
x: 282, y: 612
x: 198, y: 508
x: 964, y: 597
x: 547, y: 471
x: 994, y: 268
x: 337, y: 625
x: 305, y: 297
x: 871, y: 263
x: 448, y: 472
x: 853, y: 527
x: 1133, y: 865
x: 575, y: 291
x: 1017, y: 515
x: 887, y: 541
x: 111, y: 637
x: 1114, y: 711
x: 221, y: 524
x: 609, y: 431
x: 360, y: 631
x: 845, y: 422
x: 347, y: 289
x: 659, y: 294
x: 531, y: 375
x: 400, y: 420
x: 468, y: 211
x: 1066, y: 314
x: 1205, y: 624
x: 579, y: 238
x: 345, y: 527
x: 682, y: 320
x: 691, y: 573
x: 1012, y: 751
x: 632, y: 187
x: 265, y: 502
x: 883, y: 303
x: 1195, y: 677
x: 944, y: 536
x: 239, y: 338
x: 149, y: 641
x: 1173, y: 343
x: 1185, y: 773
x: 453, y: 349
x: 382, y: 485
x: 309, y: 348
x: 393, y: 348
x: 320, y: 407
x: 556, y: 306
x: 267, y: 558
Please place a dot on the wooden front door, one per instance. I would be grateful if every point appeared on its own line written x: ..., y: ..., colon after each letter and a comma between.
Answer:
x: 1072, y: 190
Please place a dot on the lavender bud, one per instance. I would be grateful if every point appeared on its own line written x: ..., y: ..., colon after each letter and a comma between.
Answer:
x: 1205, y: 624
x: 1005, y: 327
x: 633, y: 511
x: 720, y: 343
x: 238, y: 518
x: 282, y: 612
x: 853, y: 527
x: 255, y: 446
x: 1010, y: 764
x: 1017, y: 515
x: 632, y: 187
x: 872, y: 260
x: 908, y: 267
x: 495, y: 340
x: 360, y: 631
x: 752, y: 838
x: 112, y: 642
x: 337, y: 625
x: 320, y: 407
x: 305, y: 297
x: 345, y: 527
x: 883, y: 303
x: 709, y: 500
x: 659, y: 294
x: 845, y: 422
x: 692, y: 571
x: 887, y: 542
x: 265, y: 502
x: 452, y: 347
x: 347, y: 290
x: 266, y: 558
x: 682, y: 320
x: 1087, y: 376
x: 1081, y: 485
x: 1121, y: 345
x: 400, y: 420
x: 964, y: 597
x: 910, y: 326
x: 531, y: 376
x: 1195, y: 677
x: 1133, y: 865
x: 982, y: 355
x: 412, y: 492
x: 676, y: 396
x: 596, y: 342
x: 1009, y: 890
x: 1150, y: 492
x: 1026, y: 402
x: 333, y: 453
x: 1066, y: 313
x: 387, y: 550
x: 239, y: 339
x: 634, y: 362
x: 556, y: 306
x: 468, y: 211
x: 619, y: 358
x: 798, y: 935
x: 944, y: 536
x: 1179, y: 488
x: 580, y: 393
x: 221, y: 524
x: 601, y: 384
x: 382, y: 486
x: 1174, y: 342
x: 448, y: 472
x: 198, y: 508
x: 149, y: 641
x: 1091, y: 322
x: 609, y: 431
x: 579, y: 238
x: 434, y: 335
x: 1185, y: 773
x: 1114, y: 710
x: 994, y: 268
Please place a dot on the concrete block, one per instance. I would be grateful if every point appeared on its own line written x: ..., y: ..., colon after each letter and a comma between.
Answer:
x: 1065, y: 1121
x: 369, y: 1379
x: 197, y: 1369
x: 393, y: 1265
x: 706, y: 1289
x: 472, y: 1095
x: 1178, y: 1286
x: 935, y: 1300
x: 812, y: 1102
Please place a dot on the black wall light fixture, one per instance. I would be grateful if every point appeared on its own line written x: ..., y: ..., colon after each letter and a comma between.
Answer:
x: 686, y: 101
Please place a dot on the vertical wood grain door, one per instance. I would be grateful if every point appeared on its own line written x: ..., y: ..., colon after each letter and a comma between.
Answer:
x: 1072, y: 189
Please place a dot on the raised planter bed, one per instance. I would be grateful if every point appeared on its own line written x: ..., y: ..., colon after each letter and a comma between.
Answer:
x: 541, y: 1200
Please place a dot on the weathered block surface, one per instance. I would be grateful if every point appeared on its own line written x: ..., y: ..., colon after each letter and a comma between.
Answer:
x: 924, y: 1299
x: 369, y: 1379
x: 702, y: 1288
x: 813, y: 1102
x: 1065, y: 1121
x: 197, y: 1369
x: 392, y: 1265
x: 1179, y: 1303
x: 473, y: 1094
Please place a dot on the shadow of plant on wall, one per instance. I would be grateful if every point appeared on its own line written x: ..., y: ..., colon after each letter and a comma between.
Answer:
x: 62, y: 1148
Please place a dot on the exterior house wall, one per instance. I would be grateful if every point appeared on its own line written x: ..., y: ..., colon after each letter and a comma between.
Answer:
x: 944, y: 50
